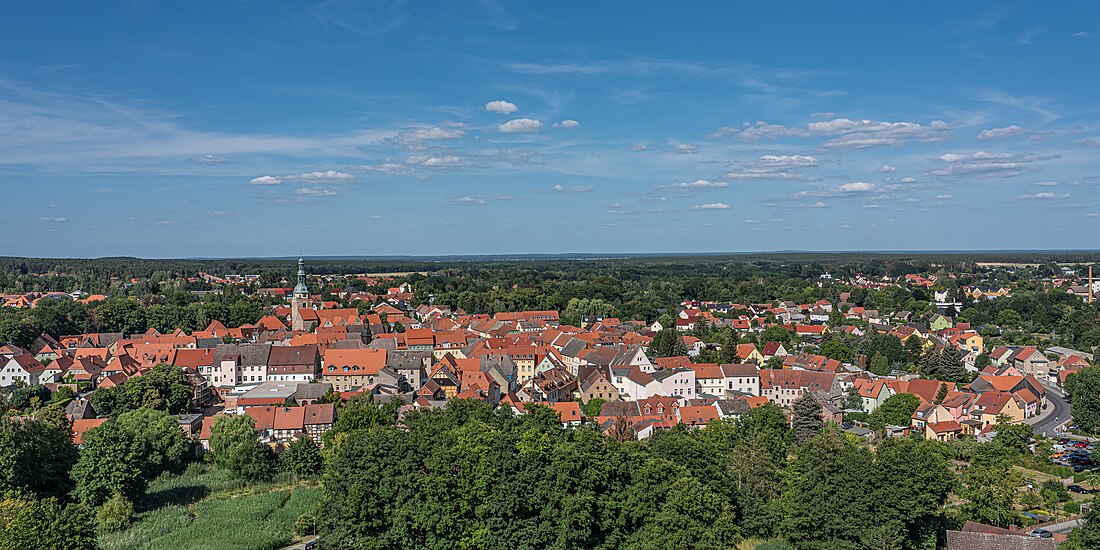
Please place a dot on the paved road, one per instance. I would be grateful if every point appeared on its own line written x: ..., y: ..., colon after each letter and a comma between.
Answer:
x: 1065, y: 526
x: 1052, y: 418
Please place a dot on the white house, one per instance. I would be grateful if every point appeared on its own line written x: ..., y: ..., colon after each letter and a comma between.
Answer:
x: 23, y: 368
x: 743, y: 378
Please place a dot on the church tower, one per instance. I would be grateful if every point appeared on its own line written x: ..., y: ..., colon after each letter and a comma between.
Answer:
x: 300, y: 298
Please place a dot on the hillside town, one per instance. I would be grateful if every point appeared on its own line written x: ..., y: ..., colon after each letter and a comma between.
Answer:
x: 872, y: 374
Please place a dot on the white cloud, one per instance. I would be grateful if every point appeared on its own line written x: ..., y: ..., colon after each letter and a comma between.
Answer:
x: 686, y: 149
x: 327, y: 176
x: 501, y: 106
x: 1092, y: 214
x: 1081, y: 34
x: 886, y: 169
x: 468, y: 201
x: 575, y: 189
x: 848, y: 133
x: 520, y: 126
x: 317, y: 191
x: 418, y: 135
x: 434, y: 161
x: 639, y: 147
x: 871, y: 205
x: 208, y: 159
x: 1046, y: 183
x: 776, y: 167
x: 567, y: 123
x: 944, y: 197
x: 386, y: 168
x: 1090, y: 142
x: 1045, y: 196
x: 265, y: 180
x: 694, y: 185
x: 855, y: 187
x: 711, y: 206
x: 1007, y: 131
x: 52, y: 220
x: 984, y: 164
x: 817, y: 204
x: 908, y: 180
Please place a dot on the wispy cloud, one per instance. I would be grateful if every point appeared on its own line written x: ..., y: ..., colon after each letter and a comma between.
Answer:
x: 845, y: 133
x: 1045, y: 196
x: 208, y: 159
x: 567, y: 123
x: 711, y: 206
x: 997, y: 133
x: 574, y: 189
x: 985, y: 164
x: 697, y: 185
x: 327, y: 176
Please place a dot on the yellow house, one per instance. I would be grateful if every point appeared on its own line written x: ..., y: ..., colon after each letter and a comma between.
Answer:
x: 991, y: 405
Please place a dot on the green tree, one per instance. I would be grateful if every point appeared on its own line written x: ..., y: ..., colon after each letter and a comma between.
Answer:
x: 1083, y: 388
x: 807, y: 417
x: 667, y: 343
x: 990, y: 492
x: 853, y: 401
x: 302, y: 457
x: 164, y: 388
x: 35, y: 456
x: 235, y: 447
x: 896, y: 410
x: 124, y: 453
x: 119, y: 314
x: 360, y: 413
x: 30, y: 522
x: 880, y: 365
x: 982, y: 361
x: 836, y: 347
x: 777, y: 333
x: 593, y: 407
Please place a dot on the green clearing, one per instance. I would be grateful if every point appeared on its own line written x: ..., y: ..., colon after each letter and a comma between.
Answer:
x: 206, y: 508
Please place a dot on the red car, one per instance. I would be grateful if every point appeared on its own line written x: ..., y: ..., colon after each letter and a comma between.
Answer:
x: 1081, y: 445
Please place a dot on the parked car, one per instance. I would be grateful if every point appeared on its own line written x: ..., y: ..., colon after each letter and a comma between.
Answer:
x: 1081, y: 444
x: 1041, y: 534
x: 1078, y: 489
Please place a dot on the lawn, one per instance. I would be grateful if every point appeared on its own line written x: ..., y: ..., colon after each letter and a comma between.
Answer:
x: 206, y: 508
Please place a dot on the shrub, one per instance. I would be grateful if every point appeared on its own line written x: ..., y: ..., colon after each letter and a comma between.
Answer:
x: 115, y: 515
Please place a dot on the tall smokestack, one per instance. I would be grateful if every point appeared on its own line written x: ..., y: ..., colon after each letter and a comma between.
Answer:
x: 1090, y: 284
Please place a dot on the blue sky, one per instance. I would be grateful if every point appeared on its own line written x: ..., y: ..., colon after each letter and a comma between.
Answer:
x: 476, y: 127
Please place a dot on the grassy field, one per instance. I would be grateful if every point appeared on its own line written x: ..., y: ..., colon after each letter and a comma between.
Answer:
x: 206, y: 508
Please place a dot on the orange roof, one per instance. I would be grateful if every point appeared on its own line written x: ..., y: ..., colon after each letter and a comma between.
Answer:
x: 81, y: 427
x: 1002, y: 383
x: 697, y: 415
x: 353, y: 361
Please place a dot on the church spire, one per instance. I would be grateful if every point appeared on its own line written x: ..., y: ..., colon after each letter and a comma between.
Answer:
x: 301, y: 290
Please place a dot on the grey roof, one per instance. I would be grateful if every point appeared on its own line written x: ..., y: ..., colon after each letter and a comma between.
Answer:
x: 251, y: 354
x: 732, y: 407
x: 407, y: 360
x: 573, y: 347
x: 272, y: 389
x: 207, y: 343
x: 312, y: 390
x: 962, y: 540
x: 1066, y: 352
x: 620, y: 408
x: 388, y: 344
